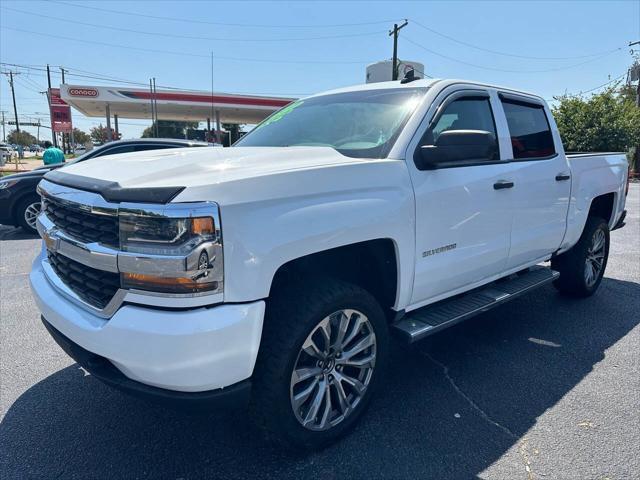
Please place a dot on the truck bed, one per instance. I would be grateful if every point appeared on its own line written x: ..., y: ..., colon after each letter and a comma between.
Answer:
x: 592, y: 175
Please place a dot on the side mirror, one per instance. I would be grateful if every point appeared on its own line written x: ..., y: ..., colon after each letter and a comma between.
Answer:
x: 455, y: 146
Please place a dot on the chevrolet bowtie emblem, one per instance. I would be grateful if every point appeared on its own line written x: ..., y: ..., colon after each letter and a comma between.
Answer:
x: 51, y: 240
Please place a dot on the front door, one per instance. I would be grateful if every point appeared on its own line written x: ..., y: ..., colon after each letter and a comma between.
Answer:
x: 464, y: 211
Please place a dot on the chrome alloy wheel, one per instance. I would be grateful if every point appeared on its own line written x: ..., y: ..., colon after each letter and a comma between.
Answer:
x: 333, y: 370
x: 595, y: 258
x: 31, y: 214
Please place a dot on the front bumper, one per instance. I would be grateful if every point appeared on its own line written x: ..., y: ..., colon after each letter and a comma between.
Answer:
x: 195, y: 350
x: 234, y: 396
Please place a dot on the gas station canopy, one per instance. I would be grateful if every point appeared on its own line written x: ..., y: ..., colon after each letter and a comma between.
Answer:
x: 126, y: 102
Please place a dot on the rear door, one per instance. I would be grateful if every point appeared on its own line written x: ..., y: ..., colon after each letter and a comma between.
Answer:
x: 542, y: 180
x: 463, y: 214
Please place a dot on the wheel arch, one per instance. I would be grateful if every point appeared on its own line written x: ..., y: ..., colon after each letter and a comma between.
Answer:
x: 371, y: 264
x: 603, y: 207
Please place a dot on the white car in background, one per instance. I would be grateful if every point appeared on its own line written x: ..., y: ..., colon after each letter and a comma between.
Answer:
x: 6, y: 152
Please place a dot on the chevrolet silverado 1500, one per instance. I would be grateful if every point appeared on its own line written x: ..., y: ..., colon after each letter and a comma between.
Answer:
x: 273, y: 272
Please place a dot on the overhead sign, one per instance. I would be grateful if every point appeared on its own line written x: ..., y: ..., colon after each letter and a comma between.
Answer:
x: 127, y: 102
x: 83, y: 92
x: 60, y: 112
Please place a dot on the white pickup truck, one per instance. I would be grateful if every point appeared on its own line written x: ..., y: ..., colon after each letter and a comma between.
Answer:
x: 272, y: 273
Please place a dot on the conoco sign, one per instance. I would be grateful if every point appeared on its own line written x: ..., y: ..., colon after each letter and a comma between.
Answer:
x: 83, y: 92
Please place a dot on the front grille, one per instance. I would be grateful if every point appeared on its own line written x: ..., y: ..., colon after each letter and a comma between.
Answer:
x: 85, y: 226
x: 96, y: 287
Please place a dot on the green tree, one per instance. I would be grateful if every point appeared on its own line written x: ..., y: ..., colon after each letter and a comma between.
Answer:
x: 21, y: 138
x: 169, y: 129
x: 80, y: 137
x: 606, y: 122
x: 99, y: 134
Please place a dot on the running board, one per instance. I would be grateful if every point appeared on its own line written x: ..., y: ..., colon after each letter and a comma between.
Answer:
x: 438, y: 316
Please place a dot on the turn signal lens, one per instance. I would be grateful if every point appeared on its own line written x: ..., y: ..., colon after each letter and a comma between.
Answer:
x: 167, y: 284
x: 202, y: 226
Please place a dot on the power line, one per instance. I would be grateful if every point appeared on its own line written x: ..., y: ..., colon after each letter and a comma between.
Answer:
x: 582, y: 92
x: 194, y: 37
x: 21, y: 81
x: 105, y: 44
x: 26, y: 85
x: 182, y: 54
x: 205, y: 22
x: 566, y: 67
x: 423, y: 74
x: 496, y: 52
x: 97, y: 76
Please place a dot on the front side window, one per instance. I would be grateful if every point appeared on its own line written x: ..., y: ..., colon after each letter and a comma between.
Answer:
x: 362, y: 124
x: 467, y: 113
x: 529, y: 129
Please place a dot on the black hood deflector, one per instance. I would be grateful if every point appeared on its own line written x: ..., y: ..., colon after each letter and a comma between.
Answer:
x: 112, y: 191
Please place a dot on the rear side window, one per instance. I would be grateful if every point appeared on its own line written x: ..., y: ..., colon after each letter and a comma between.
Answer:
x: 154, y: 146
x: 529, y: 129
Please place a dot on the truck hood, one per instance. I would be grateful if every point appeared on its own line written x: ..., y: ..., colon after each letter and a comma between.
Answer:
x: 193, y: 167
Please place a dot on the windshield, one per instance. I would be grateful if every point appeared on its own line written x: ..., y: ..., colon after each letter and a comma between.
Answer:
x: 358, y: 124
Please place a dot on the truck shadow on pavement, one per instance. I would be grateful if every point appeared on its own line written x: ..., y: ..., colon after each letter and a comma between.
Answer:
x: 16, y: 233
x: 451, y: 406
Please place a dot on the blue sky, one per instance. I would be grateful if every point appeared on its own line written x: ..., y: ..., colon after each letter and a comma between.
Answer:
x: 279, y: 32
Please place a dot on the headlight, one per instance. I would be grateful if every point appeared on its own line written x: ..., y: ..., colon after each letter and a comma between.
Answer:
x: 164, y: 236
x: 7, y: 183
x: 183, y: 246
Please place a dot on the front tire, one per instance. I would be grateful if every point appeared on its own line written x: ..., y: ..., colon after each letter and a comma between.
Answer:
x: 321, y: 356
x: 582, y: 268
x: 27, y: 212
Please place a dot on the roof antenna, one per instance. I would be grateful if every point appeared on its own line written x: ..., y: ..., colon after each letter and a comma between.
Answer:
x: 409, y: 77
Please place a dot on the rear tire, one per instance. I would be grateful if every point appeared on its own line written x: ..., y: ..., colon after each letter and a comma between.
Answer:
x: 582, y: 268
x: 26, y: 213
x: 298, y: 321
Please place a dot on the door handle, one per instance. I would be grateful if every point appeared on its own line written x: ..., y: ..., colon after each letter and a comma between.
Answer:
x: 502, y: 184
x: 561, y: 177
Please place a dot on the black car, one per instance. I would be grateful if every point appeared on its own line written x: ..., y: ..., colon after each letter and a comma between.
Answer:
x: 19, y: 202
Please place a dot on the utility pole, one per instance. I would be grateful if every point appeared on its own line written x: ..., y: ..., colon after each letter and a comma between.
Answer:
x: 213, y: 139
x: 4, y: 136
x: 66, y: 147
x: 637, y: 68
x: 13, y: 94
x: 395, y: 32
x: 631, y: 44
x: 153, y: 115
x: 155, y: 104
x: 71, y: 141
x: 54, y: 137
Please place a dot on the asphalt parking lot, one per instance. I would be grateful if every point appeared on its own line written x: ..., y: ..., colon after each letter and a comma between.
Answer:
x: 543, y: 387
